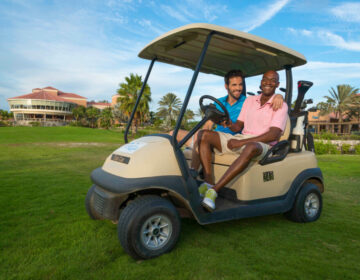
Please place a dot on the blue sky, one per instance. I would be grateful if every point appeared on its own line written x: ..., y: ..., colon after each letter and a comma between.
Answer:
x: 88, y: 47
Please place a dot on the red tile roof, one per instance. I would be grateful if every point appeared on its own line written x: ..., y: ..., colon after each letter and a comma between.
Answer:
x: 40, y: 95
x: 70, y: 95
x: 99, y: 103
x: 46, y: 95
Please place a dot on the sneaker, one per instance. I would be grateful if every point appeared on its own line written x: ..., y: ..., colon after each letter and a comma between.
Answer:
x: 203, y: 188
x: 209, y: 200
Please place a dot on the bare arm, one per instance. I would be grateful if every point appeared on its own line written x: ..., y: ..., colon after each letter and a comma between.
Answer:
x: 277, y: 102
x: 272, y: 135
x: 235, y: 127
x: 208, y: 125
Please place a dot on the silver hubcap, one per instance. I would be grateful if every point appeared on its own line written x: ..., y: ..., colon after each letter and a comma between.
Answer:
x: 156, y: 232
x: 312, y: 205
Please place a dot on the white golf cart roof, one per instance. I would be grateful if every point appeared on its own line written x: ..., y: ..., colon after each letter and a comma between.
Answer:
x: 233, y: 50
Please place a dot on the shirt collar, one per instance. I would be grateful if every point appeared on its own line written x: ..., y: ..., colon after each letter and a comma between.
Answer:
x: 241, y: 99
x: 258, y: 97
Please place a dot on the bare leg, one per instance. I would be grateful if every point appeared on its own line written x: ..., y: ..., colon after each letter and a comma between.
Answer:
x: 195, y: 158
x: 181, y: 134
x: 207, y: 141
x: 250, y: 151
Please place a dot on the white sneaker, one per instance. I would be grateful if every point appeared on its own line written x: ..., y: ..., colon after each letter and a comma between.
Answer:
x: 209, y: 200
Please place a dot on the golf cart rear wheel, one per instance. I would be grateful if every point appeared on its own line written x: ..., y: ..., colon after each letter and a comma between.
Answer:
x: 89, y: 204
x: 307, y: 206
x: 148, y: 227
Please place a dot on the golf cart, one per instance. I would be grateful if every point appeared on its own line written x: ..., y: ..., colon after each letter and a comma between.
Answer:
x: 146, y: 185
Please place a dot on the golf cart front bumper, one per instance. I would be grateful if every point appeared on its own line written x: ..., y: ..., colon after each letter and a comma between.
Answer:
x: 112, y: 191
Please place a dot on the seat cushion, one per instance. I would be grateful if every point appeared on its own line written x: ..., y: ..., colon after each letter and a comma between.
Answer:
x: 224, y: 159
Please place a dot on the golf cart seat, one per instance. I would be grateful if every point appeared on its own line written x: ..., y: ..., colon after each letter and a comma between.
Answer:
x: 276, y: 153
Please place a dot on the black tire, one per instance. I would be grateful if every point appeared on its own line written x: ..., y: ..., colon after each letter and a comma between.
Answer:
x: 307, y: 206
x: 134, y: 223
x: 88, y: 204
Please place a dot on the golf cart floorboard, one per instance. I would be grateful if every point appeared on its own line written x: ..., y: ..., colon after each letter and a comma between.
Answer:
x: 223, y: 203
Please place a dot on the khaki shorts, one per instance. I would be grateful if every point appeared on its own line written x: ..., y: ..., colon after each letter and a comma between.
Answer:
x: 225, y: 137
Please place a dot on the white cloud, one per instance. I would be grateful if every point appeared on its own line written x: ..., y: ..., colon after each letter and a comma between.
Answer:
x: 263, y: 14
x: 303, y: 32
x: 349, y: 11
x: 173, y: 13
x: 150, y: 25
x: 327, y: 38
x: 335, y: 40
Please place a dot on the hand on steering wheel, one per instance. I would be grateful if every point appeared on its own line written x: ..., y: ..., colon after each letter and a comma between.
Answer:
x: 212, y: 113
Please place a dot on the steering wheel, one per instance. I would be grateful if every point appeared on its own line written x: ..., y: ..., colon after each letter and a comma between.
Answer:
x: 211, y: 112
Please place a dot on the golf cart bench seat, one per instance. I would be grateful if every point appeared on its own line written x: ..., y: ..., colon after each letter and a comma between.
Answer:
x: 228, y: 159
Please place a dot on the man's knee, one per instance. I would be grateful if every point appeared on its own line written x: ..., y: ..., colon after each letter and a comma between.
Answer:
x: 251, y: 150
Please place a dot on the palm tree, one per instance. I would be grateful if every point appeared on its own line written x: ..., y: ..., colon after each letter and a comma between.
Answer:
x: 189, y: 115
x: 79, y: 112
x: 340, y: 99
x: 169, y: 108
x: 200, y: 113
x: 92, y: 115
x: 129, y: 92
x: 106, y: 118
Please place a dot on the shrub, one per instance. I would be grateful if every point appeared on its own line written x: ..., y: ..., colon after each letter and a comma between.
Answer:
x: 332, y: 136
x: 345, y: 148
x: 158, y: 123
x: 332, y: 149
x: 320, y: 148
x: 325, y: 148
x: 329, y: 136
x: 35, y: 123
x: 2, y: 123
x: 357, y: 149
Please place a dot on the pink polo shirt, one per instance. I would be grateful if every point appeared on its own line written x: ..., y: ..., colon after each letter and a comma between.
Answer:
x: 258, y: 119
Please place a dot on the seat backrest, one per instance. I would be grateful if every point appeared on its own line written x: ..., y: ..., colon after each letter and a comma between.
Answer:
x: 286, y: 133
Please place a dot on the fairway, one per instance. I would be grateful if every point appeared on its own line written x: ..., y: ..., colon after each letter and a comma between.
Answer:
x: 45, y: 232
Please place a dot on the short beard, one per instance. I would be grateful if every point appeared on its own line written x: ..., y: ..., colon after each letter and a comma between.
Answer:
x: 233, y: 96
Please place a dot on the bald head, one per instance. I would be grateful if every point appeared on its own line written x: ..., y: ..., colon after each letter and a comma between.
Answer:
x: 272, y: 73
x: 269, y: 82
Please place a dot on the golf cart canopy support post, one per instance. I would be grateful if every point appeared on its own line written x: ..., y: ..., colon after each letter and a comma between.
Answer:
x: 138, y: 100
x: 190, y: 89
x: 289, y: 86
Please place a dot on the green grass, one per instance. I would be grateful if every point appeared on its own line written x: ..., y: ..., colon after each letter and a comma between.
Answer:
x: 45, y: 232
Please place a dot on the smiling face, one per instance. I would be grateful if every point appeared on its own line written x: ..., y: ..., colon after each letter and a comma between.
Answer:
x: 234, y: 88
x: 269, y: 83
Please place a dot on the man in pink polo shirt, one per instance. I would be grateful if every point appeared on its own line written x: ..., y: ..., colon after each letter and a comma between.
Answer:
x: 261, y: 128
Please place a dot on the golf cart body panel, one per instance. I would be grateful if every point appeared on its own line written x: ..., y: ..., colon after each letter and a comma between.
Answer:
x: 261, y: 207
x: 261, y: 181
x: 150, y: 156
x: 233, y: 49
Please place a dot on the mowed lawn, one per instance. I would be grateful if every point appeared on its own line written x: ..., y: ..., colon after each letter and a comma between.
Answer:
x: 45, y: 232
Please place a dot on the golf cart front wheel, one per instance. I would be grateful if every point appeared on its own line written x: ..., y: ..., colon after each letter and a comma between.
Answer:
x: 148, y: 227
x: 307, y: 206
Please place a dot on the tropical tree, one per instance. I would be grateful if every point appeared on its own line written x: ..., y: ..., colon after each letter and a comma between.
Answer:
x: 106, y: 118
x: 118, y: 114
x: 354, y: 108
x: 79, y: 112
x: 189, y: 115
x: 92, y: 115
x: 340, y: 99
x: 169, y: 108
x: 200, y: 113
x: 324, y: 107
x: 5, y: 114
x: 129, y: 92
